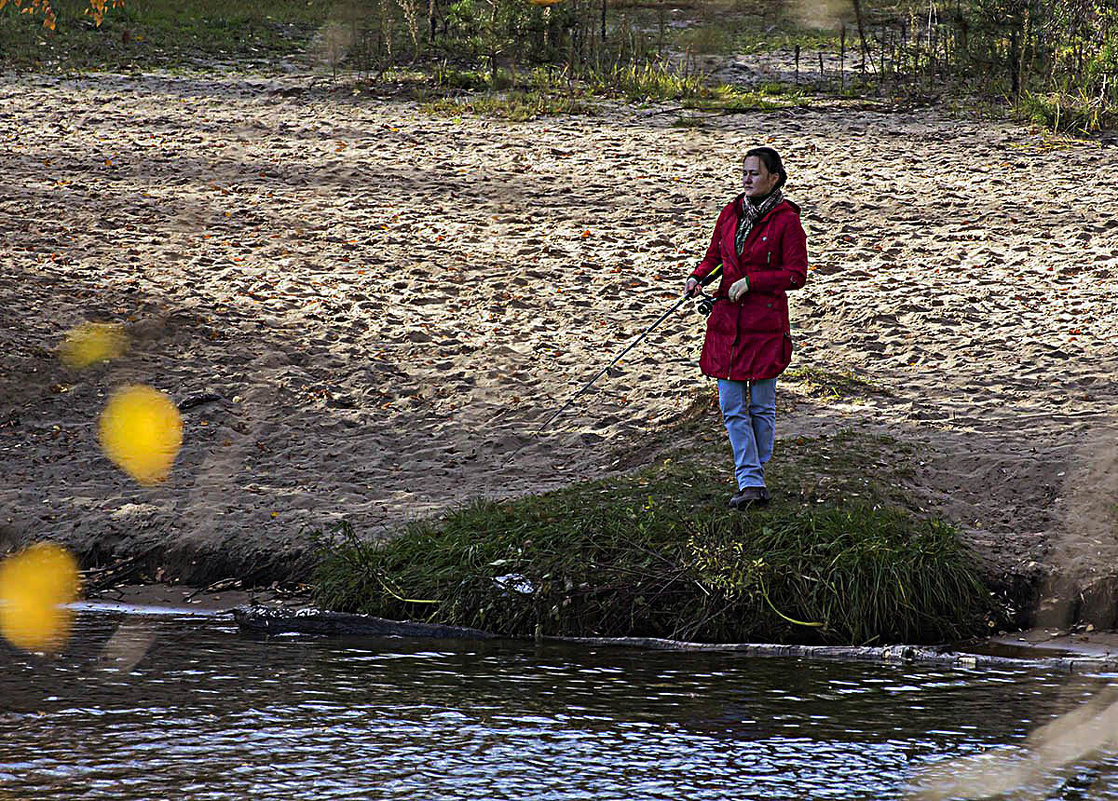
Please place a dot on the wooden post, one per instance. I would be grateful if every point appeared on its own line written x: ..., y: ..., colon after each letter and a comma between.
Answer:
x: 797, y: 64
x: 842, y: 58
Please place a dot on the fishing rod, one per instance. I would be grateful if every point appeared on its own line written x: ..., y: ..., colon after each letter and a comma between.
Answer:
x: 705, y: 304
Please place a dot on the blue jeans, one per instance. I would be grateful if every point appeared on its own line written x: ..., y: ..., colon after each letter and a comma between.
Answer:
x: 749, y: 409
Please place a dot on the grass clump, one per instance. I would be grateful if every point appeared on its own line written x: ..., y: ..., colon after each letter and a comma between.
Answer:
x: 657, y: 554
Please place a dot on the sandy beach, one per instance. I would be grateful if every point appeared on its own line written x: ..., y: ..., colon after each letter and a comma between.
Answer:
x: 382, y: 305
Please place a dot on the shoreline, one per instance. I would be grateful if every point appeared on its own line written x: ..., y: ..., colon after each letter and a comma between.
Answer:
x: 1068, y: 651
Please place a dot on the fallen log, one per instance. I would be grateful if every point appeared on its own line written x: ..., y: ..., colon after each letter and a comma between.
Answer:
x: 277, y: 620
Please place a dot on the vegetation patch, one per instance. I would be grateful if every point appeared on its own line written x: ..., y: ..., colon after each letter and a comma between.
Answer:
x: 162, y: 34
x: 516, y: 106
x: 522, y: 96
x: 658, y: 554
x: 1075, y: 113
x: 1053, y: 62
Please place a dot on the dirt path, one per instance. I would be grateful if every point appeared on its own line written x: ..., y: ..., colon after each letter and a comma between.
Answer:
x: 387, y: 302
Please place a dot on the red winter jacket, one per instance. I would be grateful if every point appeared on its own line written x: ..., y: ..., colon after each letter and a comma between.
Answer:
x: 751, y: 340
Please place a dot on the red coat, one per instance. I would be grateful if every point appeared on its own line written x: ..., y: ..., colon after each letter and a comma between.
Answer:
x: 751, y: 340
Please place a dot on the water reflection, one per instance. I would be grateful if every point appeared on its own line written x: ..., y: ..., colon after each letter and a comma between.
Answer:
x: 208, y: 712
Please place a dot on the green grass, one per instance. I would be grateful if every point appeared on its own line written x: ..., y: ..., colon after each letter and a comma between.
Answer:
x: 658, y: 554
x: 526, y: 95
x: 516, y: 106
x: 651, y: 83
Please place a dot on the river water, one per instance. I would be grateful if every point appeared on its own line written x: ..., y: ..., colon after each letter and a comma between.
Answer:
x: 208, y: 712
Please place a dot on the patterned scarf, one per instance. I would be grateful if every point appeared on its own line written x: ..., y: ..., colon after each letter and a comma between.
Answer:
x: 751, y: 214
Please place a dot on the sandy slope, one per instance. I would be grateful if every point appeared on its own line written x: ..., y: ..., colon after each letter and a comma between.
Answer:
x: 388, y: 302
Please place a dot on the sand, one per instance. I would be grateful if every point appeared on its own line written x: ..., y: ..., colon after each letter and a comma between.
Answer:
x: 386, y: 304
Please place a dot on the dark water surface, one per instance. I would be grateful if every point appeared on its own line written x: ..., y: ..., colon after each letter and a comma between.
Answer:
x: 209, y: 713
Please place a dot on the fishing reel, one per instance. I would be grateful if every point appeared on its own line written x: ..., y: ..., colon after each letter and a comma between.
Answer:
x: 706, y: 304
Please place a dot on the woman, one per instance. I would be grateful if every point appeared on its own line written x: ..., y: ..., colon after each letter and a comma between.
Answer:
x: 762, y: 248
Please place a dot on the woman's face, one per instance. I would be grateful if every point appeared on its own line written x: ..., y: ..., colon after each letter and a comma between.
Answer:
x: 756, y: 178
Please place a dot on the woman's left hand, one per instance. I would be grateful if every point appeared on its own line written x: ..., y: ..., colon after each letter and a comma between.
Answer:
x: 738, y: 289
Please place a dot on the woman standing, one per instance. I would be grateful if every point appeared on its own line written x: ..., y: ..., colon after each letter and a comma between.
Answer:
x: 762, y: 248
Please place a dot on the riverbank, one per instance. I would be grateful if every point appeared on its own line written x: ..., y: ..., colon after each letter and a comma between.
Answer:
x: 384, y: 304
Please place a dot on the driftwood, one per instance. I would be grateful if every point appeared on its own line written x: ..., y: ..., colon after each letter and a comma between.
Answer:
x: 909, y: 654
x: 118, y: 572
x: 274, y: 620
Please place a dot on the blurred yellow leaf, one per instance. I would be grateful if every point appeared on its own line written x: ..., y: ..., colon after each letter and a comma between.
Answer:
x: 35, y: 585
x: 141, y: 432
x: 90, y: 343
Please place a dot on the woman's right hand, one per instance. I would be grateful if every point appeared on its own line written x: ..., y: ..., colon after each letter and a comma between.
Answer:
x: 738, y: 289
x: 692, y: 287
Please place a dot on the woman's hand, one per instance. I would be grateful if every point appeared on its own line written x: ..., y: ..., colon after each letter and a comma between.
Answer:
x: 691, y: 288
x: 738, y: 289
